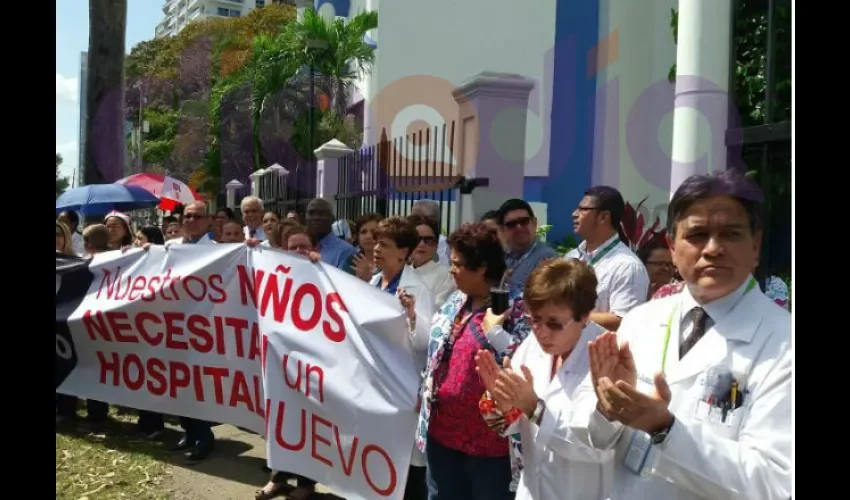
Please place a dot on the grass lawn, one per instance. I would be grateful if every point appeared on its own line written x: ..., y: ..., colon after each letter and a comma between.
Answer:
x: 109, y: 465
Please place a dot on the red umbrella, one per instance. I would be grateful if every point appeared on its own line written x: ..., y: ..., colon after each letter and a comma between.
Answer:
x: 170, y: 190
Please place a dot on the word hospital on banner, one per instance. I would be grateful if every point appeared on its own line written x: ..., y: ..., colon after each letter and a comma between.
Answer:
x: 251, y: 337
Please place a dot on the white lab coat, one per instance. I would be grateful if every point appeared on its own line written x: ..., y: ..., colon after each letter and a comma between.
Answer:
x: 413, y: 284
x: 555, y: 466
x: 746, y: 458
x: 439, y: 280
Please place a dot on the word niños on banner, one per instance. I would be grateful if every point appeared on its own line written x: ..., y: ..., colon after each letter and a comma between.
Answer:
x: 272, y: 294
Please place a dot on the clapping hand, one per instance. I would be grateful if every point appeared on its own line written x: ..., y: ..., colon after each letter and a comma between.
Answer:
x: 362, y: 267
x: 489, y: 370
x: 508, y: 388
x: 614, y: 376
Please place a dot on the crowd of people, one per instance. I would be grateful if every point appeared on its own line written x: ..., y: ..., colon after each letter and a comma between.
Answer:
x: 664, y: 373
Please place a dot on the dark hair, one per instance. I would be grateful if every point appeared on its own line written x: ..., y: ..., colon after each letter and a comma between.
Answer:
x: 295, y: 230
x: 169, y: 219
x: 128, y: 233
x: 400, y: 231
x: 728, y: 183
x: 511, y: 205
x: 567, y: 282
x: 417, y: 220
x: 608, y: 199
x: 280, y: 233
x: 153, y: 234
x: 478, y: 244
x: 72, y: 217
x: 362, y: 221
x: 490, y: 215
x: 227, y: 213
x: 657, y: 242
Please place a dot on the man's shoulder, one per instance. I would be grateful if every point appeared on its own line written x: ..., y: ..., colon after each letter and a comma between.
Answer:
x: 544, y: 251
x: 624, y: 261
x: 656, y: 311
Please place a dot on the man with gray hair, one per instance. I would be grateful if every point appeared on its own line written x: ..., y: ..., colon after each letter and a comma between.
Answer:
x: 196, y: 225
x: 252, y: 217
x: 430, y: 209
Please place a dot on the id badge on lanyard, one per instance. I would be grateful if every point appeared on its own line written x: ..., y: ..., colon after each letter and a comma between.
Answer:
x: 639, y: 458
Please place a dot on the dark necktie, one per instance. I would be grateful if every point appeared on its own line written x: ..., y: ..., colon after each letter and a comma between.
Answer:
x: 252, y: 233
x: 700, y: 320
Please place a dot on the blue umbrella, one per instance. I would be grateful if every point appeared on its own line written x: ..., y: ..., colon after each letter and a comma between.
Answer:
x: 100, y: 199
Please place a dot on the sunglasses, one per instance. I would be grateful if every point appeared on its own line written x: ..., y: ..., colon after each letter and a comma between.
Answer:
x: 522, y: 221
x: 552, y: 326
x: 428, y: 240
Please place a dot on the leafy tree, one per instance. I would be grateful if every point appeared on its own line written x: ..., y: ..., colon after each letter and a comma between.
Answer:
x: 176, y: 76
x: 280, y: 89
x: 61, y: 182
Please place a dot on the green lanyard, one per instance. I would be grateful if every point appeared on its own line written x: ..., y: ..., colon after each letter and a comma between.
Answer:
x: 752, y: 284
x: 603, y: 252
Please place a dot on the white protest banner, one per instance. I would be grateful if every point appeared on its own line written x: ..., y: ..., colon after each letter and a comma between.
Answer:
x: 315, y: 359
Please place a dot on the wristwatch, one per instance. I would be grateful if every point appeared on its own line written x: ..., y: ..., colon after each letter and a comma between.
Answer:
x: 658, y: 437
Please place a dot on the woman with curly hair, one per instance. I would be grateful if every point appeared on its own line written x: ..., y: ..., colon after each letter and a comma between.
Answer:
x: 465, y: 459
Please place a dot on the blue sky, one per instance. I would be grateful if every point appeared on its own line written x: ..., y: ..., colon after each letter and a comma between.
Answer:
x: 72, y: 38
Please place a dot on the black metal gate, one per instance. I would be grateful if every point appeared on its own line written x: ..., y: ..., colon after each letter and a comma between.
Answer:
x: 761, y: 143
x: 388, y: 177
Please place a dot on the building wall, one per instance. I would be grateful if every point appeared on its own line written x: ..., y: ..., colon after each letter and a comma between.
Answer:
x: 179, y: 13
x: 600, y: 71
x: 634, y: 106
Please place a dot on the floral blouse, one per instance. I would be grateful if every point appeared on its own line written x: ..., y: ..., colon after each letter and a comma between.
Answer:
x: 515, y: 325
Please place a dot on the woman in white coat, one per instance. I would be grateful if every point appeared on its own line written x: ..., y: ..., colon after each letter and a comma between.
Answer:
x: 533, y: 394
x: 435, y: 275
x: 395, y: 239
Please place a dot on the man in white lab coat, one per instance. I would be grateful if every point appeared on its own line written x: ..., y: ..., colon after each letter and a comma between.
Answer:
x: 696, y: 398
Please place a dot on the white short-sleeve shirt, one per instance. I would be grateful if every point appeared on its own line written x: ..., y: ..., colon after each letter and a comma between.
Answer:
x: 623, y: 279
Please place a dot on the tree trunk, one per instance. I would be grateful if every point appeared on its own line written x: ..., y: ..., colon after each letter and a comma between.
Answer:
x: 104, y: 147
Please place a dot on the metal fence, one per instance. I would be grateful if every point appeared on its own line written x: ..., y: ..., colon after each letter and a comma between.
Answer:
x: 286, y: 188
x: 388, y: 177
x: 764, y: 144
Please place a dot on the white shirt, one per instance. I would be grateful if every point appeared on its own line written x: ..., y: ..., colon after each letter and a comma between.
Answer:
x: 260, y: 234
x: 421, y: 334
x: 623, y: 282
x: 438, y: 279
x: 555, y: 466
x: 78, y: 243
x: 205, y: 240
x: 740, y: 454
x: 444, y: 254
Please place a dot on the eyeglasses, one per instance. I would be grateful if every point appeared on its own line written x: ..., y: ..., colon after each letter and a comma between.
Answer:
x: 552, y: 326
x: 428, y: 240
x: 522, y: 221
x: 193, y: 216
x: 585, y: 209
